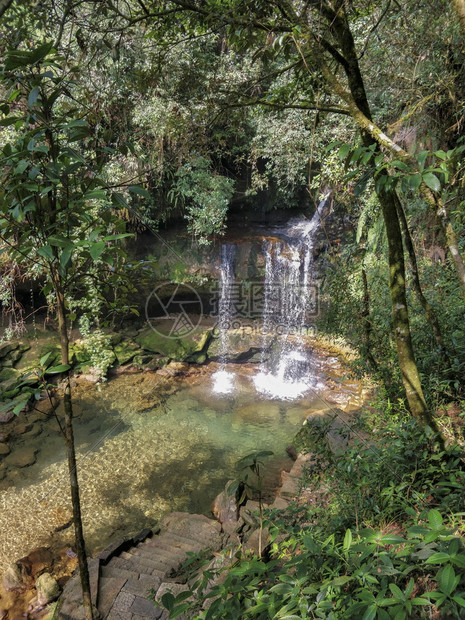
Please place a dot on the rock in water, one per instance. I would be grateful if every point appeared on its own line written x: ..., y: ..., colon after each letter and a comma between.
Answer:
x: 47, y: 589
x: 6, y: 416
x: 22, y: 458
x: 225, y: 507
x: 16, y: 577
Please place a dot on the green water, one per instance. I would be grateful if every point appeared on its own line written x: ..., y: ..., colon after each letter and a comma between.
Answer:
x: 139, y: 459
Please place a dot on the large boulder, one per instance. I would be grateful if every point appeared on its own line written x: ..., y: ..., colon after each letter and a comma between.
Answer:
x: 176, y: 348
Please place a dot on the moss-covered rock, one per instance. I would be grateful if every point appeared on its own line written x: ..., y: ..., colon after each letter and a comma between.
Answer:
x: 7, y: 374
x: 31, y: 358
x: 126, y: 350
x: 7, y: 347
x: 179, y: 349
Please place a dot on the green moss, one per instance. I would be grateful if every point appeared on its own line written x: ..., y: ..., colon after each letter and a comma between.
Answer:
x: 6, y: 374
x: 126, y: 350
x: 30, y: 359
x: 178, y: 349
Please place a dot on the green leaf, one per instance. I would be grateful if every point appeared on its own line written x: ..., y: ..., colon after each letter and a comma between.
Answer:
x: 438, y: 558
x: 370, y: 613
x: 55, y: 369
x: 97, y: 249
x: 21, y: 166
x: 44, y: 358
x: 409, y: 588
x: 140, y: 191
x: 420, y: 601
x: 178, y: 610
x: 413, y: 181
x: 168, y: 600
x: 119, y: 200
x: 391, y: 539
x: 341, y: 581
x: 441, y: 154
x: 40, y: 52
x: 432, y: 181
x: 396, y: 591
x: 9, y: 120
x: 344, y: 151
x: 447, y: 579
x: 33, y: 96
x: 96, y: 194
x: 347, y: 540
x: 115, y: 237
x: 421, y: 158
x: 20, y: 406
x: 65, y: 257
x: 46, y: 251
x: 435, y: 519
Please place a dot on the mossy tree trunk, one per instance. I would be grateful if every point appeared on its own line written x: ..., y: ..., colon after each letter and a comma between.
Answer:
x: 430, y: 314
x: 387, y: 199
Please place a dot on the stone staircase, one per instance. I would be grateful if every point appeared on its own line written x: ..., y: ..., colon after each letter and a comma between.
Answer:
x: 126, y: 574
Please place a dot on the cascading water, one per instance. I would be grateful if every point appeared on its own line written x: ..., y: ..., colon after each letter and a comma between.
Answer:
x: 287, y: 298
x: 223, y: 380
x: 287, y: 301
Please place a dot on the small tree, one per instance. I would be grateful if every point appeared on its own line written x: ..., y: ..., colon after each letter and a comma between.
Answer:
x: 57, y: 218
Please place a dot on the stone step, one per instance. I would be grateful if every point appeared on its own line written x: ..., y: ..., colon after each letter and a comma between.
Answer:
x: 139, y: 565
x: 194, y: 544
x: 166, y: 555
x: 148, y: 563
x: 114, y: 571
x: 142, y: 586
x: 109, y: 589
x: 164, y: 545
x: 146, y: 608
x: 128, y: 606
x: 173, y: 541
x: 193, y: 527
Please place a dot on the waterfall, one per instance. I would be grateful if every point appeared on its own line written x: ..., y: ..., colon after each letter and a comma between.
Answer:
x: 285, y: 368
x: 223, y: 380
x: 285, y: 371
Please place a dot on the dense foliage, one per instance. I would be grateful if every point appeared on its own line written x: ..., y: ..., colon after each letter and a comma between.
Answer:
x: 124, y: 114
x: 375, y: 543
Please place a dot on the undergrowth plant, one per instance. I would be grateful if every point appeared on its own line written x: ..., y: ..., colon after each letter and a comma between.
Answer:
x: 387, y: 544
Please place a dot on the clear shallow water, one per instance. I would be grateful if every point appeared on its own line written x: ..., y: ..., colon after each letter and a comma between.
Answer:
x: 139, y: 459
